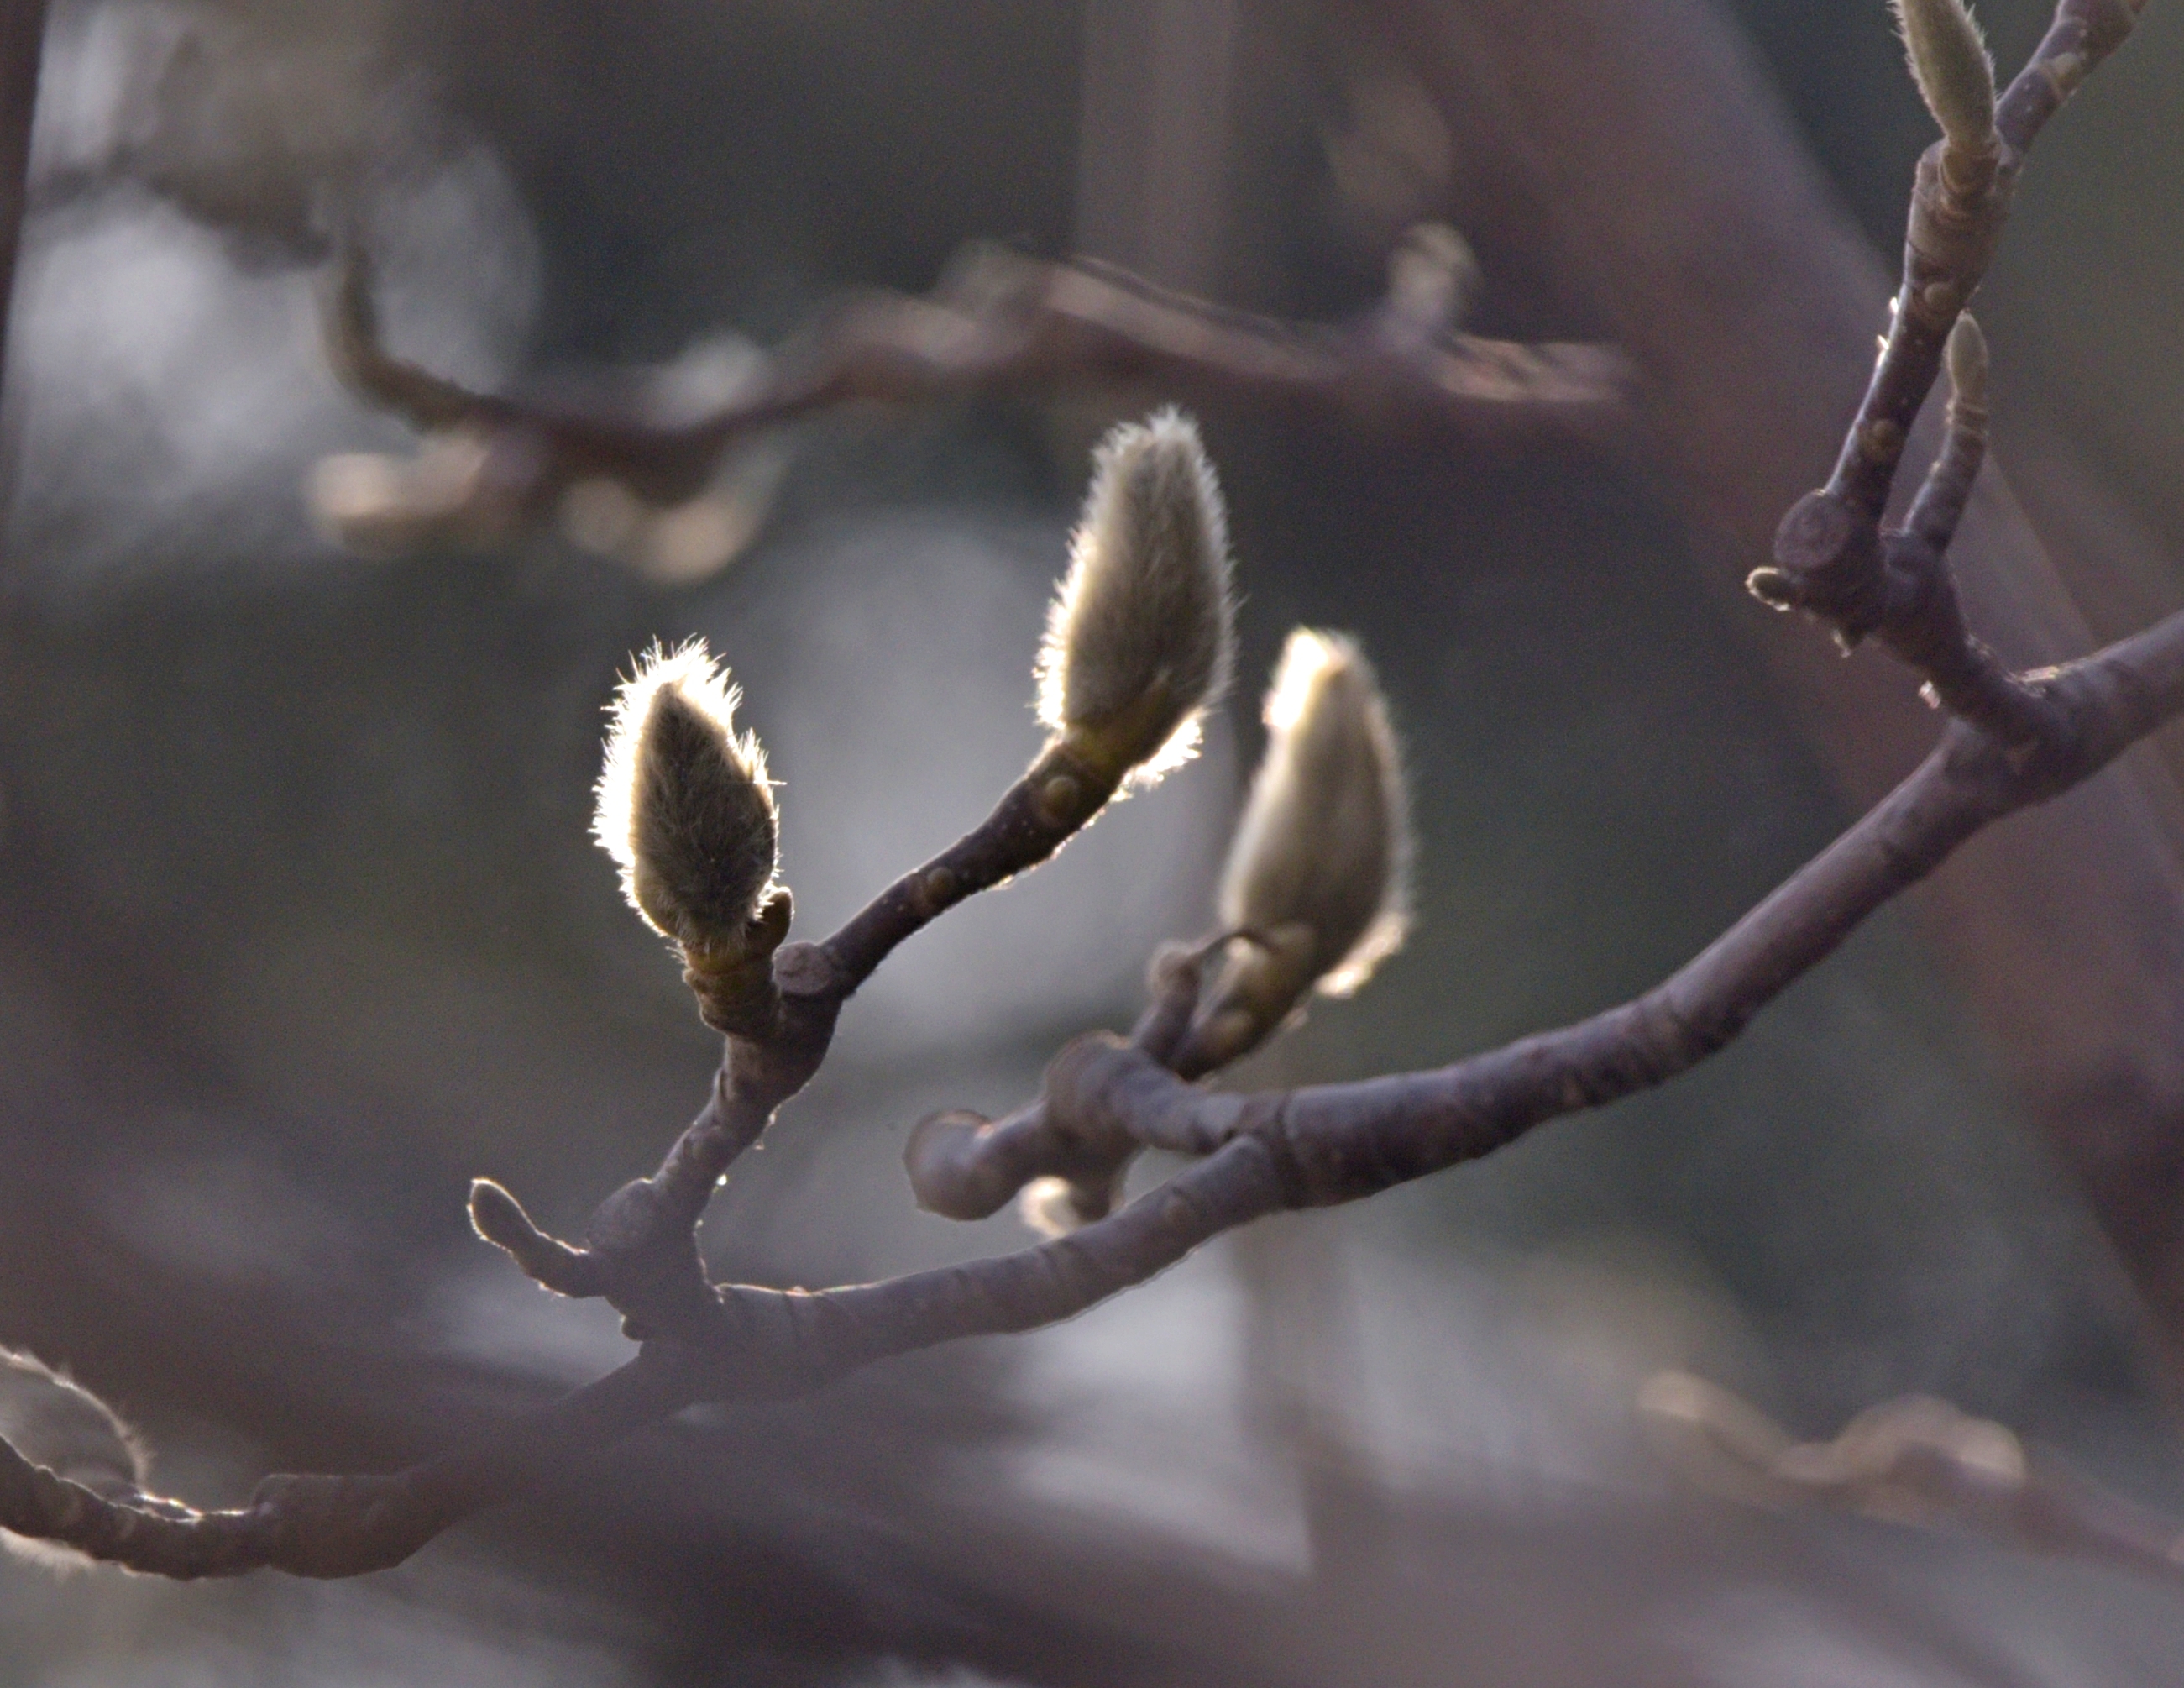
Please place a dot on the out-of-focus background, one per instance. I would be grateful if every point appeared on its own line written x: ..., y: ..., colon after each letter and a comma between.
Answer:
x: 301, y: 928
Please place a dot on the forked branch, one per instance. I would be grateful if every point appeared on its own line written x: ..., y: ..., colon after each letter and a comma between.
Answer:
x: 1833, y: 559
x: 1137, y: 646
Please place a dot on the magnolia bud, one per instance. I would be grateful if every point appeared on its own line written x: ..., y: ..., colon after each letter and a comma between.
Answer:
x: 54, y: 1423
x: 1139, y: 639
x: 1950, y: 64
x: 1317, y: 875
x: 685, y: 806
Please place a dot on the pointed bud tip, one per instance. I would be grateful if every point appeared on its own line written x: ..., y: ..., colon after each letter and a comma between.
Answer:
x: 684, y: 806
x: 1140, y: 638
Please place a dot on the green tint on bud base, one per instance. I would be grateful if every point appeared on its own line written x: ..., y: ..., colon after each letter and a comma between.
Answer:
x: 1138, y: 640
x: 685, y: 807
x: 1317, y: 883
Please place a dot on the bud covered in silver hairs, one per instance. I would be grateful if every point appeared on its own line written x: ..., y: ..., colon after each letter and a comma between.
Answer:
x: 684, y: 804
x: 1318, y: 878
x: 1139, y: 639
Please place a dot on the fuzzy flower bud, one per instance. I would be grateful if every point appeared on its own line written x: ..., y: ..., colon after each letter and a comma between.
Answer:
x: 1950, y: 64
x: 685, y: 806
x: 1319, y: 873
x: 1139, y: 639
x: 55, y: 1423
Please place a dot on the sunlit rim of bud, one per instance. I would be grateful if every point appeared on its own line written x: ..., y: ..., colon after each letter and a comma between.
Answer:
x: 1139, y: 640
x: 684, y: 806
x: 1324, y: 842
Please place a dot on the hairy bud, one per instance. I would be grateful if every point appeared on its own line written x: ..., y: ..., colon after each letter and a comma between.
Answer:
x: 55, y: 1423
x: 684, y: 805
x: 1319, y: 873
x: 1138, y: 640
x: 1950, y: 64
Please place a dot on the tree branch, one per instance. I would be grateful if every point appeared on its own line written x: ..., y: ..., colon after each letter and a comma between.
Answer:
x: 1914, y: 1461
x: 997, y: 323
x: 1104, y: 1097
x: 1316, y: 1146
x: 1636, y: 149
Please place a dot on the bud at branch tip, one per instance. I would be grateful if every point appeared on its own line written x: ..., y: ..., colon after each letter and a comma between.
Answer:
x: 684, y: 806
x: 1139, y: 639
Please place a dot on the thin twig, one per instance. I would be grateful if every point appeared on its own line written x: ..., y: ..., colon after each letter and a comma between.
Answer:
x: 1832, y: 558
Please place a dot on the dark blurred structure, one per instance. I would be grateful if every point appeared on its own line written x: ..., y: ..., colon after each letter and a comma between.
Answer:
x: 302, y: 927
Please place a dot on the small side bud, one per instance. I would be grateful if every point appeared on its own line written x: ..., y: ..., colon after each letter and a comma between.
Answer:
x: 684, y: 805
x: 1967, y: 364
x: 1138, y: 640
x: 499, y: 1218
x: 1317, y: 879
x: 53, y: 1422
x: 1949, y: 62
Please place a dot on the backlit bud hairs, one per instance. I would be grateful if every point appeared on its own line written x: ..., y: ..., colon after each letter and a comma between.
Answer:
x: 1950, y: 64
x: 1139, y: 639
x: 1316, y: 884
x: 684, y: 806
x: 54, y: 1423
x: 1324, y: 843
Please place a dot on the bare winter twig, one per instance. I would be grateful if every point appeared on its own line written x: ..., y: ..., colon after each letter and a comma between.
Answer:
x: 1832, y: 558
x: 2018, y: 740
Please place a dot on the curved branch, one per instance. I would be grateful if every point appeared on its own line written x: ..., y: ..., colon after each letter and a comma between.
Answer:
x: 1001, y: 323
x: 1911, y: 1461
x: 1311, y: 1147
